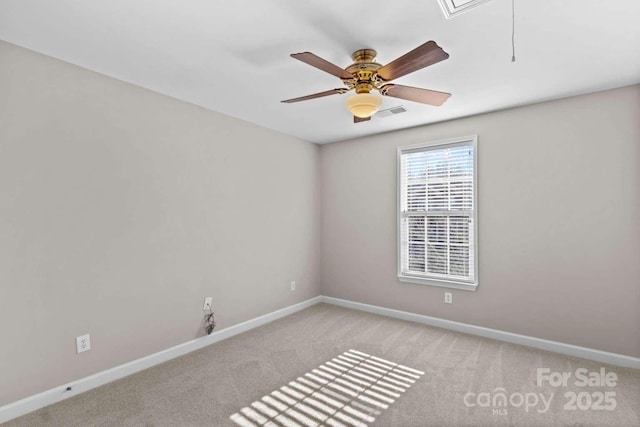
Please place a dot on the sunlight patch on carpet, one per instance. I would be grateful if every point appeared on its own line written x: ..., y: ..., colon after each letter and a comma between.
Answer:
x: 350, y: 390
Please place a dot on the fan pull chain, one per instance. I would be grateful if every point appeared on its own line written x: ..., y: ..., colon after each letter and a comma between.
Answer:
x: 513, y: 31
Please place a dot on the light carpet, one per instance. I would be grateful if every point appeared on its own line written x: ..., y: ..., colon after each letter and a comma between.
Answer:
x: 467, y: 381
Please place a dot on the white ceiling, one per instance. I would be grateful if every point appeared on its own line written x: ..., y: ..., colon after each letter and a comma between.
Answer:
x: 233, y: 56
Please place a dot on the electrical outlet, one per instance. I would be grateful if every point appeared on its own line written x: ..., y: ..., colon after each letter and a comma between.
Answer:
x: 83, y: 343
x: 207, y: 303
x: 293, y: 285
x: 448, y: 298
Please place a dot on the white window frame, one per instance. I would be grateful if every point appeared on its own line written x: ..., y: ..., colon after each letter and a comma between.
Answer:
x: 471, y: 140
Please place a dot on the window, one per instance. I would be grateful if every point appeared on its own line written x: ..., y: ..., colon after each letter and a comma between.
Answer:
x: 437, y: 226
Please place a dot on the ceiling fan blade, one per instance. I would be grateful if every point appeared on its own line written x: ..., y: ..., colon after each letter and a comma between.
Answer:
x: 420, y: 57
x: 316, y: 95
x: 416, y: 94
x: 322, y: 64
x: 357, y: 119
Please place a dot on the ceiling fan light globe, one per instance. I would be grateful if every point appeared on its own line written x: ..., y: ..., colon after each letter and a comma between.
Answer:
x: 364, y: 105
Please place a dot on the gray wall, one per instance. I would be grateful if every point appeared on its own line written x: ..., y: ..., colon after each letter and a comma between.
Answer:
x: 559, y: 221
x: 121, y: 209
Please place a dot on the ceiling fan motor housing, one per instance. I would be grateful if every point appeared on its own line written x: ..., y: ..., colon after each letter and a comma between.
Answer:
x: 364, y: 70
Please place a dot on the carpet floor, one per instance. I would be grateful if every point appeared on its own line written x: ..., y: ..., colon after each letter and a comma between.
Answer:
x: 463, y: 381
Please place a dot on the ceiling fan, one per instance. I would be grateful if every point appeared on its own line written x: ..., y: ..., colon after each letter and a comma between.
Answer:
x: 366, y: 75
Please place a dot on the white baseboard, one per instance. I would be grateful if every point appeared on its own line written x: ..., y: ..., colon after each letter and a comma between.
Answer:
x: 542, y: 344
x: 56, y: 394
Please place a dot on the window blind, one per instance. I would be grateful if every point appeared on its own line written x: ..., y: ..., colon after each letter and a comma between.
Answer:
x: 437, y: 212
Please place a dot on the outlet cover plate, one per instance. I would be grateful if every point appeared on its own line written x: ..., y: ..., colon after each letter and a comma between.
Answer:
x: 83, y: 343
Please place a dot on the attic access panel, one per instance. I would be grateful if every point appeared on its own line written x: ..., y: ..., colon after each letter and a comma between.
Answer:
x: 452, y: 8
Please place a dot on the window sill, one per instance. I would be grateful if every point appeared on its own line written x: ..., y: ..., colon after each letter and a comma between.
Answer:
x: 440, y: 283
